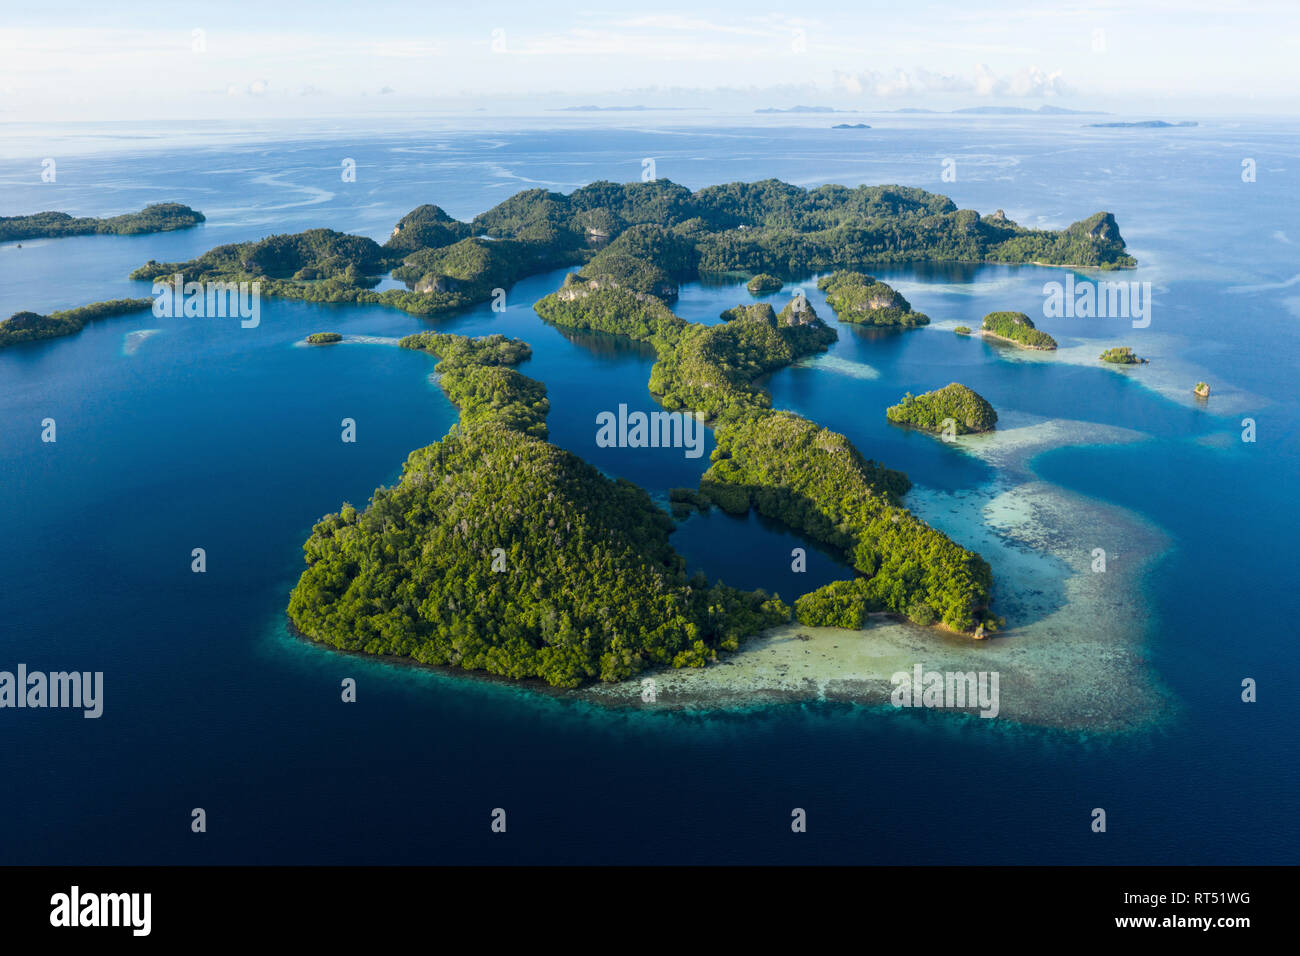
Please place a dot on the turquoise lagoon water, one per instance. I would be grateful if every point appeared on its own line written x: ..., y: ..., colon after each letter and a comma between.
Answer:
x: 207, y: 435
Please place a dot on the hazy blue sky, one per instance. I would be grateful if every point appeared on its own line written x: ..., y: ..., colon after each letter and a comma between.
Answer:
x: 145, y: 59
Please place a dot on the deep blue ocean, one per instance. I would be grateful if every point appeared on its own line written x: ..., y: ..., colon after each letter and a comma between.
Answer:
x: 209, y: 435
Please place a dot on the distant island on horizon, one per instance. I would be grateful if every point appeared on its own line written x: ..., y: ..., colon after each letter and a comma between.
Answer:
x: 1026, y: 111
x: 1003, y: 111
x: 157, y: 217
x: 811, y: 110
x: 803, y: 109
x: 1143, y: 124
x: 967, y: 110
x: 592, y: 108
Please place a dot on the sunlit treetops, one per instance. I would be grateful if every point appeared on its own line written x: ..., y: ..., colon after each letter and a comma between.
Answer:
x: 499, y: 552
x: 643, y: 236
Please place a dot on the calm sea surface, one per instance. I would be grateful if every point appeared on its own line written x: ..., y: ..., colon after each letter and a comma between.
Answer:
x: 209, y: 435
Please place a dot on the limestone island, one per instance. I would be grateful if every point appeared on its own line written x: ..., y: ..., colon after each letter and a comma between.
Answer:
x: 499, y: 552
x: 784, y: 466
x: 962, y: 330
x: 324, y: 338
x: 159, y: 217
x: 643, y: 236
x: 763, y: 284
x: 32, y: 326
x: 863, y: 300
x: 966, y: 409
x: 1017, y: 328
x: 850, y: 126
x: 1122, y: 355
x: 1202, y: 390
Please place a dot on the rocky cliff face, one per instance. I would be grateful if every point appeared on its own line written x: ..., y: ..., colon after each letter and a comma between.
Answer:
x: 798, y: 311
x: 1101, y: 226
x: 436, y: 284
x: 886, y: 300
x: 579, y: 287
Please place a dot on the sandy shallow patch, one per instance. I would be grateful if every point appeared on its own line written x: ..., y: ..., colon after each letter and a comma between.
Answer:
x: 132, y: 341
x: 1071, y: 655
x: 1167, y: 372
x: 833, y: 363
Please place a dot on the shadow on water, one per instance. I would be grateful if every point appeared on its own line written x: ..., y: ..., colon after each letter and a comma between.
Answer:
x: 608, y: 346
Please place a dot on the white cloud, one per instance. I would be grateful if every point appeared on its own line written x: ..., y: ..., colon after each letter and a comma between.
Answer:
x: 934, y: 53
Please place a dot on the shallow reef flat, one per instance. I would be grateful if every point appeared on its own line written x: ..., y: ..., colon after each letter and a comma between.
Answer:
x: 1071, y: 656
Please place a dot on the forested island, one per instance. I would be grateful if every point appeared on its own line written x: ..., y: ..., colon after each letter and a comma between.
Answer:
x: 32, y: 326
x: 815, y: 481
x: 1018, y: 328
x: 419, y: 572
x: 159, y: 217
x: 645, y: 236
x: 1121, y: 355
x: 477, y: 376
x: 499, y: 552
x: 864, y: 300
x: 784, y: 466
x: 968, y: 410
x: 701, y: 368
x: 780, y: 464
x: 764, y: 283
x: 324, y: 338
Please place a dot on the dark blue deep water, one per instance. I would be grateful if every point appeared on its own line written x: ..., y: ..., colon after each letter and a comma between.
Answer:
x: 209, y: 435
